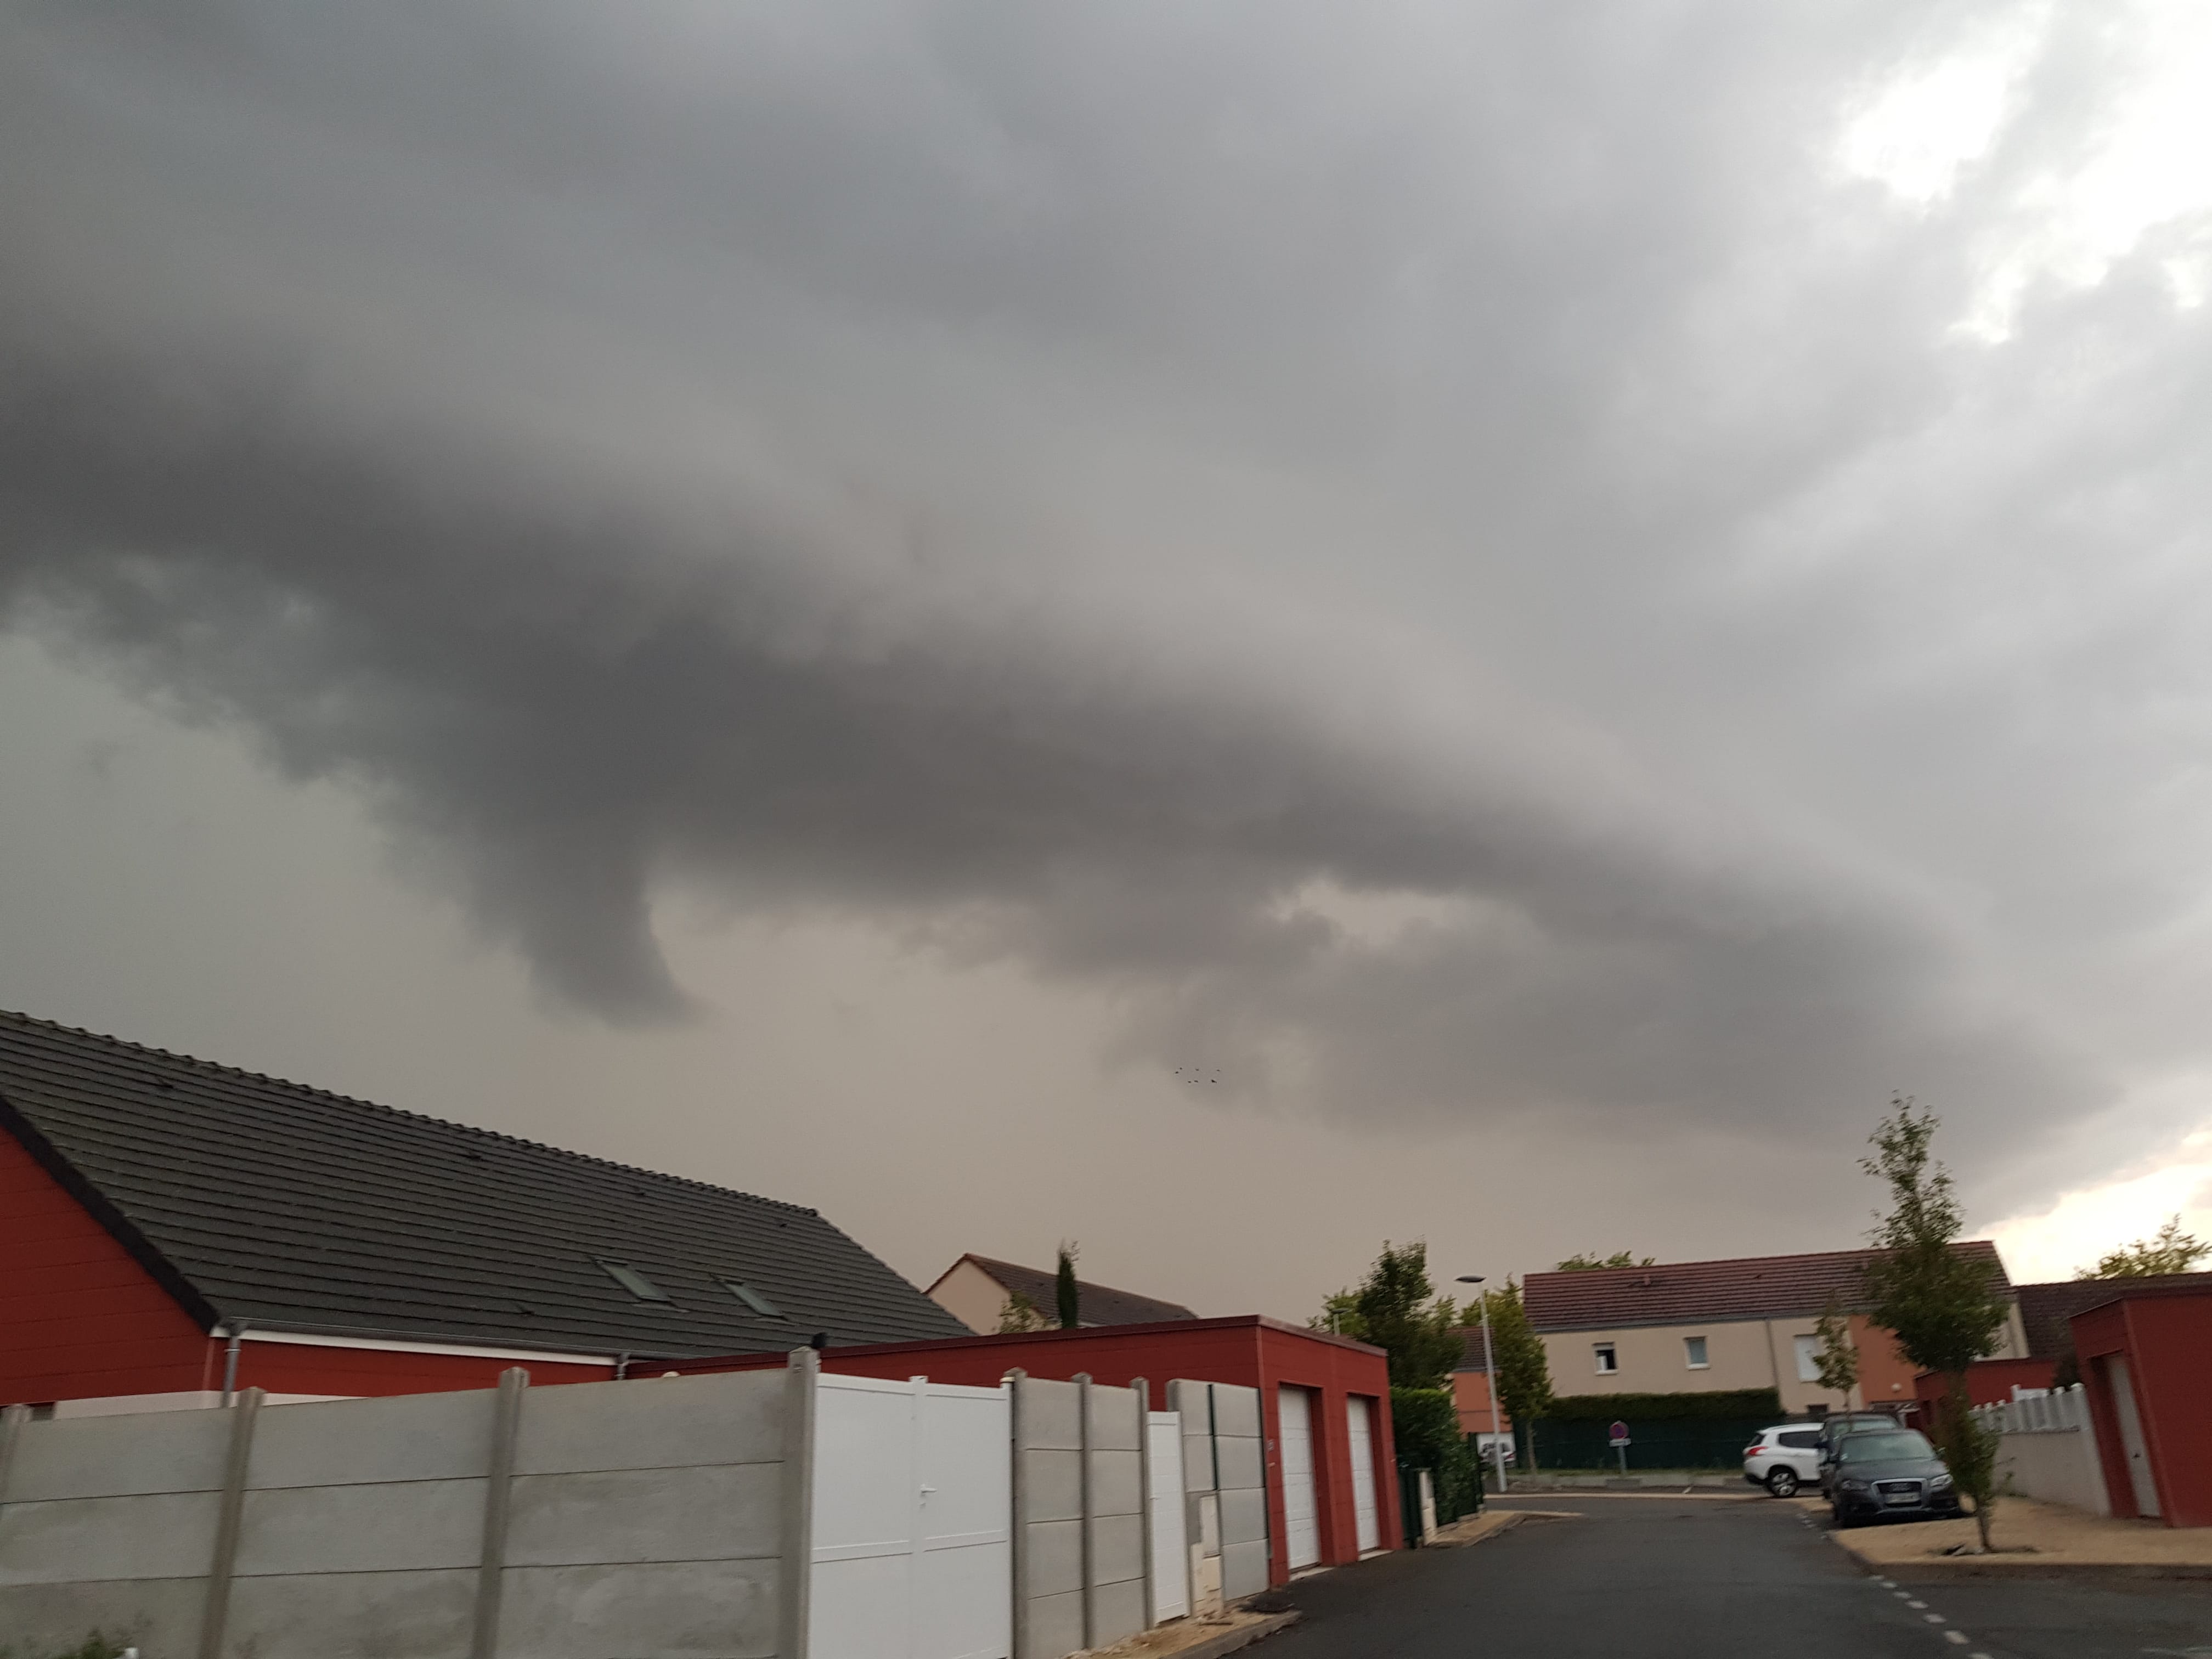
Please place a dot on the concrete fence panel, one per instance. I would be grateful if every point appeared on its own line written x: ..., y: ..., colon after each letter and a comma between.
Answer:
x: 2048, y: 1449
x: 591, y: 1520
x: 1225, y: 1476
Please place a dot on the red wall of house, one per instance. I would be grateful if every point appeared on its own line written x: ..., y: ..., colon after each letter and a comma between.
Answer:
x: 78, y: 1316
x: 1253, y: 1352
x: 298, y: 1368
x: 2166, y: 1340
x: 1471, y: 1399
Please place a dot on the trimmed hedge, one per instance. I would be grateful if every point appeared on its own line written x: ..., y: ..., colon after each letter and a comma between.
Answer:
x: 1426, y: 1423
x: 1734, y: 1404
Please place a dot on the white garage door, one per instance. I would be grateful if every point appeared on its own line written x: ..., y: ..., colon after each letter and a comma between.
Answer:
x: 1301, y: 1513
x: 1359, y: 1437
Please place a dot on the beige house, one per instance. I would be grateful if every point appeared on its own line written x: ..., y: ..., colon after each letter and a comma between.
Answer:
x: 1710, y: 1326
x: 975, y: 1290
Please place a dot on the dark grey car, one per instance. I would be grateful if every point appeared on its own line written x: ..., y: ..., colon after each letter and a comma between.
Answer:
x: 1883, y: 1474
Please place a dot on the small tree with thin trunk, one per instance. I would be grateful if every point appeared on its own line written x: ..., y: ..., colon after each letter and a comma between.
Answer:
x: 1020, y: 1314
x: 1836, y: 1361
x: 1944, y: 1307
x: 1066, y: 1292
x: 1523, y: 1383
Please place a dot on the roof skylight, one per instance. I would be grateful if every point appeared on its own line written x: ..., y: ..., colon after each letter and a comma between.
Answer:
x: 632, y: 1281
x: 752, y: 1298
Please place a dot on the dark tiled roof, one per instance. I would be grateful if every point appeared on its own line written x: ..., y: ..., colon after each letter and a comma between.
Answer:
x: 1689, y: 1292
x: 259, y: 1199
x: 1095, y: 1304
x: 2046, y: 1310
x: 1470, y: 1356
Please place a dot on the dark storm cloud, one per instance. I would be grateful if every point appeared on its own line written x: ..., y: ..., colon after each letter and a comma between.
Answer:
x: 1382, y: 543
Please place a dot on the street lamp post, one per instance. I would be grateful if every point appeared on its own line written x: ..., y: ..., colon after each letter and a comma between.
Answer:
x: 1489, y: 1376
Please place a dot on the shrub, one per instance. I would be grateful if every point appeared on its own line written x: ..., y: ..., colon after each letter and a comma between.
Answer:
x: 1426, y: 1424
x: 1666, y: 1407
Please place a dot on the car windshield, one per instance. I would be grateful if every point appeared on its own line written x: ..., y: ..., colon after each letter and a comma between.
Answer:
x: 1892, y: 1448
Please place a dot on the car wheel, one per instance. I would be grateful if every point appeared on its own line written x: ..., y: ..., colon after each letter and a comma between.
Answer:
x: 1782, y: 1483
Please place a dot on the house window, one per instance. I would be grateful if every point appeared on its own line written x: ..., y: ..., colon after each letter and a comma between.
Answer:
x: 1608, y: 1362
x: 1693, y: 1352
x: 631, y: 1281
x: 1809, y: 1359
x: 752, y: 1298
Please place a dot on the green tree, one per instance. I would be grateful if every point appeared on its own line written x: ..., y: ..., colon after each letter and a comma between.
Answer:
x: 2170, y: 1250
x: 1019, y: 1315
x: 1522, y: 1381
x: 1837, y: 1359
x: 1945, y: 1309
x: 1392, y: 1309
x: 1590, y: 1262
x: 1066, y: 1292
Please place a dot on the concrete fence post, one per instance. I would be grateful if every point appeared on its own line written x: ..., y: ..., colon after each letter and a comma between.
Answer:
x: 499, y: 1494
x: 214, y: 1611
x: 1083, y: 1507
x: 794, y: 1590
x: 1017, y: 1513
x: 1143, y: 1391
x: 12, y: 1419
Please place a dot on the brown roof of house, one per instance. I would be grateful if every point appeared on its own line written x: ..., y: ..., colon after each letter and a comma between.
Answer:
x: 1095, y: 1304
x: 2046, y: 1310
x: 1691, y: 1293
x: 1470, y: 1356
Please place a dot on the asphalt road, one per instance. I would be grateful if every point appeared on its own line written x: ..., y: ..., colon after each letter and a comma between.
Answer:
x: 1647, y: 1578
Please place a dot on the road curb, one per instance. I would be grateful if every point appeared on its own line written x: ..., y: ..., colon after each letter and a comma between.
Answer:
x: 1231, y: 1640
x: 1939, y: 1569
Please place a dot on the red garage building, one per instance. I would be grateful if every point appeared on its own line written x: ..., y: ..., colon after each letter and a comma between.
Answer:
x: 1325, y: 1406
x: 2145, y: 1355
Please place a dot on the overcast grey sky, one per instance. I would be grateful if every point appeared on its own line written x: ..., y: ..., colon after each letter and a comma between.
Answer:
x: 1227, y: 630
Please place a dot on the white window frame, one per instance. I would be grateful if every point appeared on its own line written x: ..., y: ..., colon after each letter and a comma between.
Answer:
x: 1806, y: 1347
x: 1697, y: 1345
x: 1605, y: 1356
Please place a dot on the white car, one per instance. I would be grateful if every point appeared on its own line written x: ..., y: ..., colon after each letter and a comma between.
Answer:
x: 1784, y: 1458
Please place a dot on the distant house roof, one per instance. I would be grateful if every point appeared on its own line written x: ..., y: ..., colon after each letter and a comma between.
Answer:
x: 2045, y: 1310
x: 251, y: 1198
x: 1095, y: 1304
x: 1471, y: 1356
x: 1692, y: 1293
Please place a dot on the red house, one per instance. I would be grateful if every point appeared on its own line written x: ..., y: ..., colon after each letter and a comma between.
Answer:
x: 1320, y: 1397
x: 172, y: 1230
x: 2145, y: 1354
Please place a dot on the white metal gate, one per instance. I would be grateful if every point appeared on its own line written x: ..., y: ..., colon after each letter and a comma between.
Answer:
x: 1301, y: 1512
x: 1167, y: 1536
x: 1359, y: 1440
x: 913, y: 1502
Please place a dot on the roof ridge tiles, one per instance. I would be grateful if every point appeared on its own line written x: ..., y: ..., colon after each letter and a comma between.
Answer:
x: 218, y: 1069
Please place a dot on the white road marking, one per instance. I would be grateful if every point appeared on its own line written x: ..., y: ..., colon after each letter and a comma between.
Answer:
x: 1915, y: 1606
x: 1934, y: 1618
x: 1960, y: 1637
